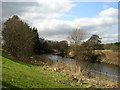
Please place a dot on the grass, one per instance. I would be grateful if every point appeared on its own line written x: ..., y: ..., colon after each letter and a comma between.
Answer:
x: 21, y: 75
x: 16, y: 74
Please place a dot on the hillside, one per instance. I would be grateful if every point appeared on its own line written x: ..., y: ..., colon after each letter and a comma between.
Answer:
x: 16, y: 74
x: 20, y: 75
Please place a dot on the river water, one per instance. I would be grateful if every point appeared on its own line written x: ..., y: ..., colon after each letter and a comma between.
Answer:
x: 99, y: 68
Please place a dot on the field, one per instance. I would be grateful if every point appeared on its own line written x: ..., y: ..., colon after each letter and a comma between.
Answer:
x: 110, y: 57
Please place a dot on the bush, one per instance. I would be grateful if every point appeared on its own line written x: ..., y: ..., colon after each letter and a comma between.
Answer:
x: 85, y: 52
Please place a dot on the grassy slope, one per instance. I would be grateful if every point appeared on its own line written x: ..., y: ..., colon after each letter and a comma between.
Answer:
x: 20, y: 75
x: 17, y: 74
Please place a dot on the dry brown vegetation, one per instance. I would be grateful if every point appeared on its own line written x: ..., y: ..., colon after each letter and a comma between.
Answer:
x: 110, y: 57
x: 72, y: 69
x: 104, y: 82
x: 76, y: 73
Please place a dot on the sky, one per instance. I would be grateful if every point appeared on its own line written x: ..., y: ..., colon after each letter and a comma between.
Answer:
x: 55, y: 19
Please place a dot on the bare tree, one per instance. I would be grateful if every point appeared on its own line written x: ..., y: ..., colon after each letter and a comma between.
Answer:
x: 77, y: 36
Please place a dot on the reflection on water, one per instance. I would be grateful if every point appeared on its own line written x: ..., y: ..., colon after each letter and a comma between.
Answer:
x: 100, y: 68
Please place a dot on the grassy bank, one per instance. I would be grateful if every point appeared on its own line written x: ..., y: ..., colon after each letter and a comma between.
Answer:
x: 21, y: 75
x: 16, y: 74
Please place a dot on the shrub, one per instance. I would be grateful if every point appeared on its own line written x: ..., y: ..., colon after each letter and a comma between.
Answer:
x: 85, y: 52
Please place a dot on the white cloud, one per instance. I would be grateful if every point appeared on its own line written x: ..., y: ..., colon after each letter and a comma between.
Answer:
x: 49, y: 9
x: 56, y: 5
x: 111, y: 12
x: 105, y: 6
x: 103, y: 22
x: 56, y: 37
x: 44, y: 14
x: 110, y: 35
x: 110, y: 38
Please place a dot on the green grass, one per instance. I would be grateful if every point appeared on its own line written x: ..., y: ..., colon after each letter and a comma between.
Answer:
x: 17, y: 74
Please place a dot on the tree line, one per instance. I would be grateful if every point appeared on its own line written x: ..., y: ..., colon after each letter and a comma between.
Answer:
x: 112, y: 46
x: 21, y: 40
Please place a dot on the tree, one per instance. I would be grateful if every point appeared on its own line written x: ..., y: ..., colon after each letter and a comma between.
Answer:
x: 112, y: 46
x: 18, y: 37
x: 40, y: 44
x: 92, y: 44
x: 95, y: 42
x: 84, y: 50
x: 36, y: 46
x: 63, y: 45
x: 43, y: 46
x: 77, y: 37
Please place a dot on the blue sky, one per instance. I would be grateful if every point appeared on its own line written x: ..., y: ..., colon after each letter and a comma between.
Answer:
x: 88, y: 9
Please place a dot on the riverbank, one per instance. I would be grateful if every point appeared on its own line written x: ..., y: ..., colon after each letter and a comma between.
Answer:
x: 17, y: 74
x: 107, y: 56
x: 73, y: 71
x: 110, y: 57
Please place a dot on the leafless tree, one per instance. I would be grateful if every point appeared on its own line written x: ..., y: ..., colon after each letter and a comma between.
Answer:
x: 77, y: 36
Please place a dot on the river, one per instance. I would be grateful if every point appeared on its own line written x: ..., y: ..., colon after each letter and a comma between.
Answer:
x: 107, y: 70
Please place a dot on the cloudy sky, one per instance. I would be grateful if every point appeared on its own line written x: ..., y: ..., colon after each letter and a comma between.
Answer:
x: 55, y: 19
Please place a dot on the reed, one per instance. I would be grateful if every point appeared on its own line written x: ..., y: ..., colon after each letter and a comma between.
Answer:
x: 77, y: 73
x: 110, y: 57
